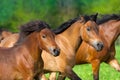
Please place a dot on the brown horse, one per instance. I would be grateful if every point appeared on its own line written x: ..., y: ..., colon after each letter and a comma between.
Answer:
x: 109, y: 30
x: 10, y: 40
x: 69, y: 37
x: 4, y: 34
x: 23, y: 61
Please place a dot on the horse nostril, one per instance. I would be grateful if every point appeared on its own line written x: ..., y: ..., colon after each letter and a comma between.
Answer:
x: 100, y: 45
x: 56, y: 52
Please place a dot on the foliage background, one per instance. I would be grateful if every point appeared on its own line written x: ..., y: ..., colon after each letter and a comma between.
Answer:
x: 13, y: 13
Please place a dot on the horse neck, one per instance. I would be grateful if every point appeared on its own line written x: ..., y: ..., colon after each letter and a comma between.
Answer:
x: 32, y: 46
x: 70, y: 38
x: 110, y: 31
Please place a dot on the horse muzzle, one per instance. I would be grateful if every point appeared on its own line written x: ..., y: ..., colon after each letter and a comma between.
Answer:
x: 55, y: 51
x: 98, y: 46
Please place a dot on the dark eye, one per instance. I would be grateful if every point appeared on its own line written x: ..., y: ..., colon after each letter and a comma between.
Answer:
x: 43, y: 36
x: 88, y: 28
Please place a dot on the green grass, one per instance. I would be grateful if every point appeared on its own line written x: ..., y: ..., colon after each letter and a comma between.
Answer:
x: 106, y: 71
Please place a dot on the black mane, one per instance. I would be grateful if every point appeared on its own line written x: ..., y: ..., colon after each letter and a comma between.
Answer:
x: 68, y: 23
x: 65, y: 25
x: 105, y: 18
x: 31, y: 27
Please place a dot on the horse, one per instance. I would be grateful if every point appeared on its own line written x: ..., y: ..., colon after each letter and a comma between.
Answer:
x: 109, y: 30
x: 69, y: 37
x: 4, y: 34
x: 23, y: 61
x: 10, y: 40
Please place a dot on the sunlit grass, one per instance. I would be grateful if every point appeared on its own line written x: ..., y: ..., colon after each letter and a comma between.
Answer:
x: 106, y: 71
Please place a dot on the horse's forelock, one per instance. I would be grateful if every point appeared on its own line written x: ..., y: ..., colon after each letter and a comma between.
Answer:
x: 31, y: 27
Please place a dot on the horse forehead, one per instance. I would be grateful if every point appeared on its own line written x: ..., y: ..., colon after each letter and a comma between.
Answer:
x: 46, y: 31
x: 91, y: 23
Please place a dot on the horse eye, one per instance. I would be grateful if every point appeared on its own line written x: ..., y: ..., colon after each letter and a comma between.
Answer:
x: 43, y: 36
x: 88, y: 28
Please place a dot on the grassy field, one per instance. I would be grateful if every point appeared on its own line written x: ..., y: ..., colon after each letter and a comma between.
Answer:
x: 106, y: 71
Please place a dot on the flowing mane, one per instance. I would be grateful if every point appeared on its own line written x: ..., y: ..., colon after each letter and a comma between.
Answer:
x: 31, y: 27
x: 107, y: 17
x: 68, y: 23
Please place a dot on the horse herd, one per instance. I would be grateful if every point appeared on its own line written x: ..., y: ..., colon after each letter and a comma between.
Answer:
x: 37, y: 49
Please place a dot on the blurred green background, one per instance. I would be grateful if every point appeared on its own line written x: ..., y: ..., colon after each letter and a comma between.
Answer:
x: 14, y: 13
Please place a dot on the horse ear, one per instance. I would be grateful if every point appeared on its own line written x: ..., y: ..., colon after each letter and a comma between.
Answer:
x: 94, y: 17
x: 82, y: 19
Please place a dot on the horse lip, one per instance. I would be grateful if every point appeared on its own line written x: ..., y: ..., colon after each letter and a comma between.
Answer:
x: 99, y: 49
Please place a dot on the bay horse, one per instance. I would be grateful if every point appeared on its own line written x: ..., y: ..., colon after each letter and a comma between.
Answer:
x: 23, y: 61
x: 4, y: 34
x: 109, y: 30
x: 68, y: 37
x: 10, y: 40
